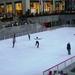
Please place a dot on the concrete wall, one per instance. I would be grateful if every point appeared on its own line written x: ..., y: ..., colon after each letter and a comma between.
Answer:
x: 62, y: 18
x: 43, y: 19
x: 18, y: 29
x: 53, y: 19
x: 67, y: 17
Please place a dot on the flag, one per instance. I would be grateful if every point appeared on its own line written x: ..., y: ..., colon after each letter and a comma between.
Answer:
x: 41, y: 1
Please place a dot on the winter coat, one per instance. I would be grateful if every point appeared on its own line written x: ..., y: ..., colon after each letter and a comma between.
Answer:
x: 68, y: 46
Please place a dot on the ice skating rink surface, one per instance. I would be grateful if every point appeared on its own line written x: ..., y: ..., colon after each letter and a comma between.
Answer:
x: 26, y: 59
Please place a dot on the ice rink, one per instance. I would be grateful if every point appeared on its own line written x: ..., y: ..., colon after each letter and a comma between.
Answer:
x: 26, y: 59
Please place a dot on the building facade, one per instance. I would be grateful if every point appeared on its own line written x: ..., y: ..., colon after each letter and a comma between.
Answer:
x: 19, y: 7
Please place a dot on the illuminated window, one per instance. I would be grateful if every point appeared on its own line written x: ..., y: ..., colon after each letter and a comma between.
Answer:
x: 2, y: 8
x: 9, y: 8
x: 34, y: 7
x: 48, y: 7
x: 58, y: 5
x: 18, y: 7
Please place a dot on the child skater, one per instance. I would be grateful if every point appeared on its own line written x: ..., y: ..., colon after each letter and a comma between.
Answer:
x: 37, y: 42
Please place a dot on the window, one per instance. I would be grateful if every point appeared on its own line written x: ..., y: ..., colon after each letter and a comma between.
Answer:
x: 18, y: 7
x: 34, y: 7
x: 9, y: 8
x: 48, y: 7
x: 2, y: 8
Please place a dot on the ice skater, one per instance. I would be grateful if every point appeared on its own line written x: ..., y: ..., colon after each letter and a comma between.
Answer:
x: 37, y: 42
x: 69, y: 48
x: 14, y: 40
x: 14, y: 35
x: 29, y: 36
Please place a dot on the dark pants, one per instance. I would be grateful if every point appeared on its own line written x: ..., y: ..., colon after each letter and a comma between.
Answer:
x: 29, y: 37
x: 69, y: 52
x: 37, y: 43
x: 13, y: 44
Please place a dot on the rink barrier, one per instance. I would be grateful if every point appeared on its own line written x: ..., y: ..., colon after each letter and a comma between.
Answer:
x: 60, y: 66
x: 34, y: 31
x: 31, y: 32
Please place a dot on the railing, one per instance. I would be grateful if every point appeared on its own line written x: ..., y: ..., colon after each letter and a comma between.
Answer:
x: 25, y: 33
x: 60, y: 66
x: 34, y: 31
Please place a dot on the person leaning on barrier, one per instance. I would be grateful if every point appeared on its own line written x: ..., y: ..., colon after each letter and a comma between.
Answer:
x: 58, y: 73
x: 61, y: 73
x: 55, y: 72
x: 66, y: 74
x: 50, y: 73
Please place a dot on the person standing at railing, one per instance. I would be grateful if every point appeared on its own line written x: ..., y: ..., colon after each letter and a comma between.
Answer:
x: 55, y: 72
x: 61, y: 73
x: 50, y: 73
x: 69, y: 48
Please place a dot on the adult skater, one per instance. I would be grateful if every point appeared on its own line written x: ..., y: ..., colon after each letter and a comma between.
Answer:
x: 14, y: 40
x: 37, y: 42
x: 29, y: 36
x: 69, y: 48
x: 14, y: 35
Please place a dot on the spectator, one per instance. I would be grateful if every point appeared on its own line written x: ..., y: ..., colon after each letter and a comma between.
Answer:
x: 12, y: 24
x: 50, y: 73
x: 58, y: 72
x: 17, y: 23
x: 61, y: 73
x: 55, y: 73
x: 66, y: 74
x: 25, y: 23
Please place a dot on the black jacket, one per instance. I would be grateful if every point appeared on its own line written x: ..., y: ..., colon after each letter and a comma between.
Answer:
x: 68, y: 46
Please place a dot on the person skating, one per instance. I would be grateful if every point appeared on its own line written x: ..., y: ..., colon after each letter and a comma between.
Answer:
x: 14, y: 36
x: 69, y: 48
x: 37, y: 42
x: 29, y: 36
x: 14, y: 40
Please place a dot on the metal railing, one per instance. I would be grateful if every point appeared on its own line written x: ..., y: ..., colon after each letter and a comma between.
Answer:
x: 60, y: 66
x: 30, y: 31
x: 34, y: 31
